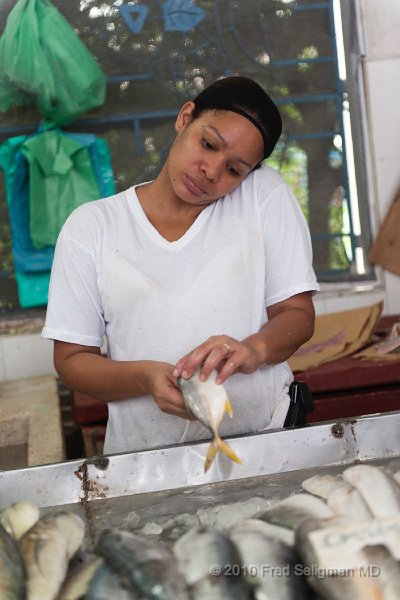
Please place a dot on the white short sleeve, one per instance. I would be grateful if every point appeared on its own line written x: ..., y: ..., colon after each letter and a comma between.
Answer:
x: 288, y: 255
x: 73, y: 296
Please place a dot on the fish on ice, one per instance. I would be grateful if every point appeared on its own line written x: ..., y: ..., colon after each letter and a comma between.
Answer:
x: 211, y: 565
x: 148, y: 569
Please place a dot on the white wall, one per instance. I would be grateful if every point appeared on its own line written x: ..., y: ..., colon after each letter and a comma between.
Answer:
x: 26, y: 355
x: 29, y: 355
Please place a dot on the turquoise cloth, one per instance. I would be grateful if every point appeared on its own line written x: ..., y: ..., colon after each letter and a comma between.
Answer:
x: 33, y: 288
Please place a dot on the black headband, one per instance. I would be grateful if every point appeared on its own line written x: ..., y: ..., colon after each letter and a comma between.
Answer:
x: 245, y: 97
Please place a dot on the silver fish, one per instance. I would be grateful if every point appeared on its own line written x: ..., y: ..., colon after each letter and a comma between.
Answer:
x: 212, y: 567
x: 78, y: 580
x: 344, y: 499
x: 385, y: 571
x: 18, y: 517
x: 292, y: 511
x: 283, y: 534
x: 46, y: 549
x: 150, y: 568
x: 106, y: 584
x: 323, y: 485
x: 12, y: 569
x: 73, y: 528
x: 348, y: 502
x: 270, y: 565
x: 378, y: 488
x: 208, y: 402
x: 333, y: 584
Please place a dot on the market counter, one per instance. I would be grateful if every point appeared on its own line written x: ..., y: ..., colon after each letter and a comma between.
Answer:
x: 135, y: 488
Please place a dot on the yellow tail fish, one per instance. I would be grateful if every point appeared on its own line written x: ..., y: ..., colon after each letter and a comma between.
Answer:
x: 208, y: 402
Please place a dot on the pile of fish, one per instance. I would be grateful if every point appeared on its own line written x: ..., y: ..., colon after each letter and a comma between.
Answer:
x: 338, y: 539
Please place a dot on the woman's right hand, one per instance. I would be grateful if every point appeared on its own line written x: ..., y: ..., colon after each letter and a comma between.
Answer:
x: 163, y: 386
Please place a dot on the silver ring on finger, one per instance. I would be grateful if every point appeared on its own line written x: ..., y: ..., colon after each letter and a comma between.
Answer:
x: 227, y: 347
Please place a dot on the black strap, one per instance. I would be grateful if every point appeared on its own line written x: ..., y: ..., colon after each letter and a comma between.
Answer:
x: 301, y: 403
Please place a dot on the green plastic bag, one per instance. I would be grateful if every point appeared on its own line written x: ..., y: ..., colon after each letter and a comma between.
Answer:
x: 61, y: 178
x: 43, y: 62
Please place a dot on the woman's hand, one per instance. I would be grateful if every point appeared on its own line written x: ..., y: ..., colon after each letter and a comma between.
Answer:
x: 163, y: 386
x: 220, y: 352
x: 290, y: 324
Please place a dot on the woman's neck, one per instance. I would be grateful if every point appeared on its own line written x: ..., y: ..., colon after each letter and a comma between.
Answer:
x: 159, y: 199
x: 168, y: 214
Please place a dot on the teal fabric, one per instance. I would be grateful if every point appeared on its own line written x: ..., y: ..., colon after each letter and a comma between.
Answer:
x: 33, y: 288
x: 26, y: 257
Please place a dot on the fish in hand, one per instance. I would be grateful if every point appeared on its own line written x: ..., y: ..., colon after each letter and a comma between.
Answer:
x: 208, y: 402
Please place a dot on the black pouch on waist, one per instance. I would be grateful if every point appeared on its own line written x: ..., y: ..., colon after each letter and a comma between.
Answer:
x: 301, y: 403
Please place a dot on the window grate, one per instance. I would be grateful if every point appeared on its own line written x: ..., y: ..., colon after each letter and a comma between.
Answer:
x: 154, y: 62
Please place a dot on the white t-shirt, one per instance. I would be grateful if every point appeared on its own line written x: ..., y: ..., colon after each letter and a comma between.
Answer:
x: 114, y: 275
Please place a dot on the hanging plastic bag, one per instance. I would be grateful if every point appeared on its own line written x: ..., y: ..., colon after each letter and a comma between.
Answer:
x: 26, y: 257
x: 61, y: 178
x: 101, y: 160
x: 43, y: 62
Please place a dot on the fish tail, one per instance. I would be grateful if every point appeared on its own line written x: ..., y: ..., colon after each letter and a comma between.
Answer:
x: 218, y: 445
x: 228, y: 408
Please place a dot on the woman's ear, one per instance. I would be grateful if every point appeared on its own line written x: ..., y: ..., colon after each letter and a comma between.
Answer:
x: 185, y: 116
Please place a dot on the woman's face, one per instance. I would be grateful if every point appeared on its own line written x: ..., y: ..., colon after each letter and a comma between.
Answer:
x: 212, y: 155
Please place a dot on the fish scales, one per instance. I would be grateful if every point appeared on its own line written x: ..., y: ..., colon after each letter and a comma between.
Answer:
x: 18, y: 517
x: 106, y: 584
x: 12, y: 569
x: 377, y: 487
x: 45, y: 553
x: 46, y: 549
x: 330, y: 586
x: 73, y: 528
x: 388, y: 579
x: 268, y: 529
x: 349, y: 503
x: 211, y: 564
x: 197, y: 395
x: 270, y: 565
x: 77, y: 583
x: 323, y: 485
x: 292, y: 511
x: 150, y: 568
x: 208, y: 402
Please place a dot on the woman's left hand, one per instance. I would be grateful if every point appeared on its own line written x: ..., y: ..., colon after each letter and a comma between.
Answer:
x: 220, y: 352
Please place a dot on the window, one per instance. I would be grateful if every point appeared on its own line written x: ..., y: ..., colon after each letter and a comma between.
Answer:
x: 157, y: 54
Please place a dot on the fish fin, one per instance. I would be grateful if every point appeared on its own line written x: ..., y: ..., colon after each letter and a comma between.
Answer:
x: 212, y: 451
x: 228, y: 408
x: 218, y: 445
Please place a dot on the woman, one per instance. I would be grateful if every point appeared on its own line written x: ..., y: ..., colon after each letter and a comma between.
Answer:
x: 209, y: 264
